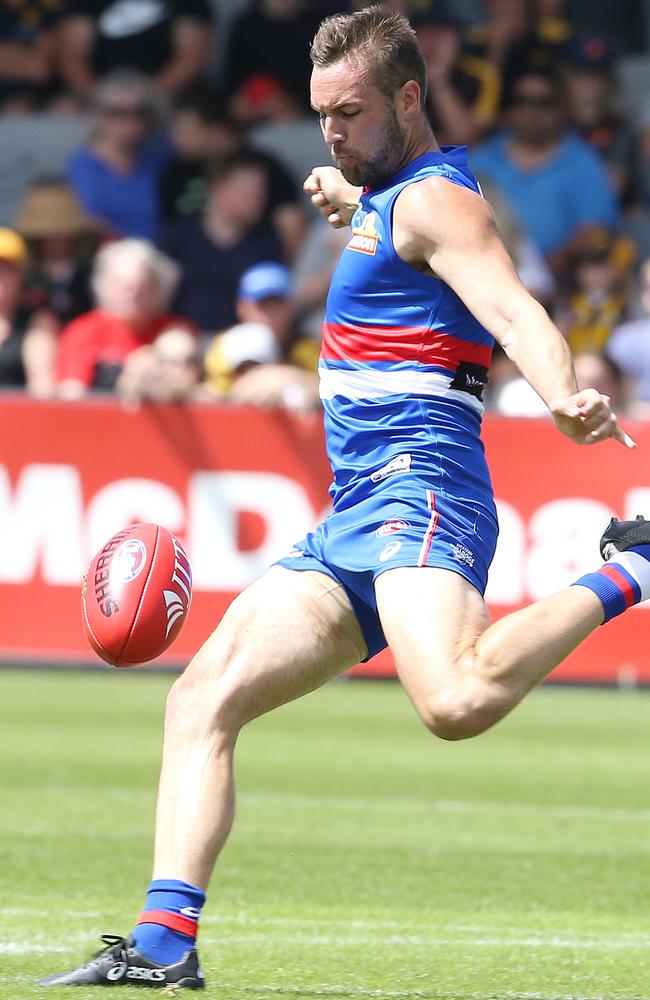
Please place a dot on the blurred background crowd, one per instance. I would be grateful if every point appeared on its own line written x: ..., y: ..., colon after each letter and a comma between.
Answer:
x: 154, y: 238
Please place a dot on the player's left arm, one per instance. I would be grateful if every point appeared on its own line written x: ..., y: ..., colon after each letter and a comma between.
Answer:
x: 452, y: 231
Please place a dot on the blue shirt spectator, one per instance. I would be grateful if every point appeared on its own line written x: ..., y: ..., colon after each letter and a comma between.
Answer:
x: 116, y: 173
x: 127, y: 202
x: 569, y: 190
x: 553, y: 180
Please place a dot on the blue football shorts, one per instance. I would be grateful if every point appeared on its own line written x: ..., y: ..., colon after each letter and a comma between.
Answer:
x: 406, y: 520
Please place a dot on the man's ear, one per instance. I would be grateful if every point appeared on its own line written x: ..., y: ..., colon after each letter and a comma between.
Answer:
x: 408, y: 97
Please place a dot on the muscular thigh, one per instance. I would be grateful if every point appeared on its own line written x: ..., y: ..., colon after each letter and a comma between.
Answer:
x: 285, y: 635
x: 431, y: 618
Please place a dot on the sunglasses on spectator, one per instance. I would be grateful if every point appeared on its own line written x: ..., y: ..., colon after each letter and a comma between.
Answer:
x: 126, y: 111
x: 533, y: 101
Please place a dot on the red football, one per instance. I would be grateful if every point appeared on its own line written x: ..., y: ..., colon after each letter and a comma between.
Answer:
x: 136, y: 594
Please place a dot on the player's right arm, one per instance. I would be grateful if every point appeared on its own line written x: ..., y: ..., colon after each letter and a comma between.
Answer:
x: 335, y: 199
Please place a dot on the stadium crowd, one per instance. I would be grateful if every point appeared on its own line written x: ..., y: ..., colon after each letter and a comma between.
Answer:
x: 154, y: 238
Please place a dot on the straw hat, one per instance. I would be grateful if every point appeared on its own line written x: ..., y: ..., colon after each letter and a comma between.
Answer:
x: 50, y: 208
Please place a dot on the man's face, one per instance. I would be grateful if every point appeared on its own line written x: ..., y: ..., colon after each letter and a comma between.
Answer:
x: 125, y: 117
x: 271, y: 311
x: 129, y: 290
x: 241, y: 196
x: 535, y: 115
x: 361, y: 127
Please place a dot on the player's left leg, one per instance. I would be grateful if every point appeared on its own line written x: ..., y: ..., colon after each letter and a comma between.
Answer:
x: 462, y: 673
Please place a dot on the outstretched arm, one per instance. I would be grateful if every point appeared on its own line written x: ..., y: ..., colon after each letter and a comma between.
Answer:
x: 451, y: 230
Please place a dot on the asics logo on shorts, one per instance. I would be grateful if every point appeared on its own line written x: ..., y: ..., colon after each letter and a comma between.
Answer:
x: 389, y: 551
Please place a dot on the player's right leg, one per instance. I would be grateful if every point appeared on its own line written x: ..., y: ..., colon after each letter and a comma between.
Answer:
x: 284, y: 636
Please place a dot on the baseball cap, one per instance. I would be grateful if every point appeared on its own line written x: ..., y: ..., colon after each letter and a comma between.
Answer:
x: 247, y: 343
x: 13, y: 249
x: 265, y: 281
x: 590, y: 52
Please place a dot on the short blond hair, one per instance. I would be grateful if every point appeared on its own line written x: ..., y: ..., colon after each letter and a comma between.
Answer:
x: 382, y: 39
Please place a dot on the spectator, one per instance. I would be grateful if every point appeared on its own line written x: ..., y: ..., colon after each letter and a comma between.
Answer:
x: 116, y: 173
x: 591, y: 98
x: 312, y: 272
x: 265, y: 360
x: 169, y: 42
x: 268, y: 68
x: 629, y: 347
x: 520, y: 36
x: 463, y: 92
x: 599, y: 372
x: 203, y: 132
x: 637, y: 222
x: 215, y: 248
x: 527, y: 259
x: 27, y: 52
x: 597, y: 300
x: 133, y: 284
x: 61, y: 240
x: 554, y: 181
x: 27, y: 343
x: 170, y: 370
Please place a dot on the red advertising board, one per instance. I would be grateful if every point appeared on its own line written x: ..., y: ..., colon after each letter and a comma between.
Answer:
x: 239, y: 486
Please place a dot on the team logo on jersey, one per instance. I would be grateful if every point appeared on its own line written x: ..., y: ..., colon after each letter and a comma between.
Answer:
x: 391, y: 526
x: 364, y: 233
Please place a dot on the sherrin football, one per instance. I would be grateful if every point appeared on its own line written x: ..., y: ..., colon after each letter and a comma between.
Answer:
x: 136, y: 594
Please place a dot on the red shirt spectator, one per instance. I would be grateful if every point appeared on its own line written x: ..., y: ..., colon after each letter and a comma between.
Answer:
x: 95, y: 346
x: 133, y: 283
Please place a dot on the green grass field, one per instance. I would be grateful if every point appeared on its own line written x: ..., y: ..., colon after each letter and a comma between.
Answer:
x: 368, y: 859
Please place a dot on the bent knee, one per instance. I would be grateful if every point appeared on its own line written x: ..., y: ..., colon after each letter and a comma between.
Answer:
x: 455, y: 718
x: 200, y: 705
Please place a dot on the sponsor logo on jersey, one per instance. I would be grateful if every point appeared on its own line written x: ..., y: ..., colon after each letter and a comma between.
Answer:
x: 470, y: 378
x: 462, y: 553
x: 391, y: 526
x: 191, y: 911
x: 389, y: 551
x: 364, y: 237
x: 401, y: 463
x: 128, y: 561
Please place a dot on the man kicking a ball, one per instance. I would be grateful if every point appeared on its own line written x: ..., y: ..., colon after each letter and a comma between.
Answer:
x: 422, y: 289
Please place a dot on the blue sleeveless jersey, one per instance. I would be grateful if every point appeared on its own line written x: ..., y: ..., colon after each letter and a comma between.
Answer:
x: 403, y: 361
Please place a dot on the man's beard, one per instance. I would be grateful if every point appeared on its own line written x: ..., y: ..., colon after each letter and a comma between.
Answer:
x: 373, y: 172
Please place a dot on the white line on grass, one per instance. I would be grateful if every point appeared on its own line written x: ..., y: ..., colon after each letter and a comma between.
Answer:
x: 440, y: 805
x: 261, y: 990
x: 14, y: 948
x: 453, y: 934
x: 21, y: 911
x: 524, y: 808
x: 431, y: 941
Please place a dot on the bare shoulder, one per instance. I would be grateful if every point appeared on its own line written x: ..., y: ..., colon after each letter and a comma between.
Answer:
x: 437, y: 210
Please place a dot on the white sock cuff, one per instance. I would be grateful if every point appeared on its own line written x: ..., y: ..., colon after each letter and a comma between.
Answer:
x: 636, y: 566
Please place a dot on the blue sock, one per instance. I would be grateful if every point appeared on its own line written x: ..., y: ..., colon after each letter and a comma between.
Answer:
x: 622, y: 582
x: 169, y: 922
